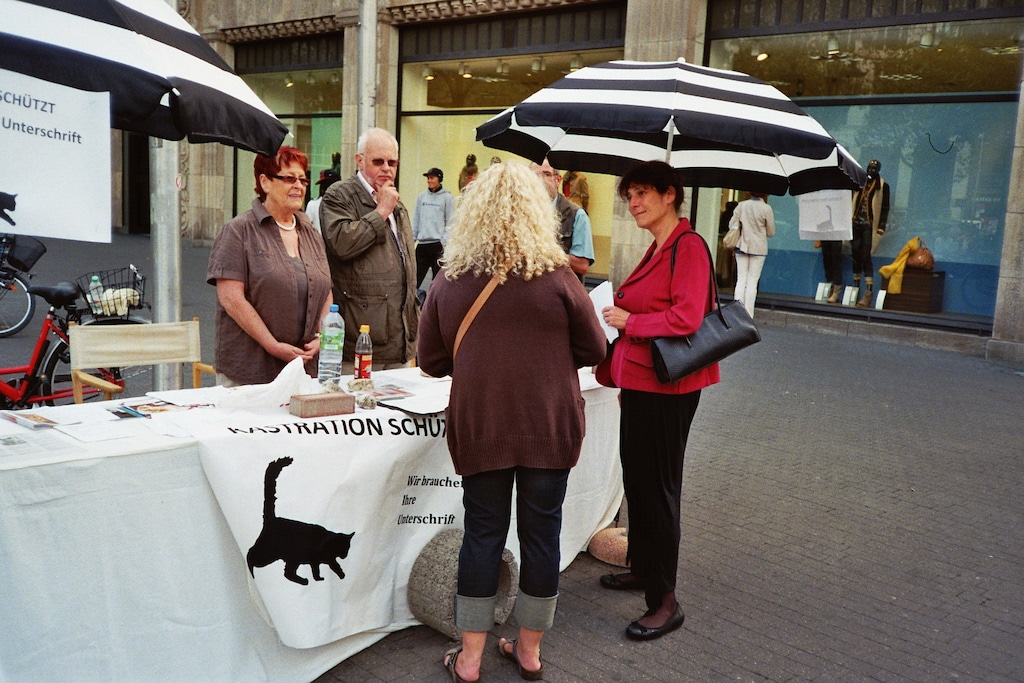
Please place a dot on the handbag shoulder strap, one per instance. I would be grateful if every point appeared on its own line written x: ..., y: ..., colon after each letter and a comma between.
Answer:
x: 471, y: 313
x: 672, y: 265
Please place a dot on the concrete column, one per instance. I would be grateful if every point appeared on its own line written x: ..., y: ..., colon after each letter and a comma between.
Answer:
x: 370, y: 89
x: 655, y: 31
x: 350, y: 123
x: 1007, y: 343
x: 368, y: 64
x: 387, y: 74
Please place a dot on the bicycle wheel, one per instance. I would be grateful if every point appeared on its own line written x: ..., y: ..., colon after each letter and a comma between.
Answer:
x: 16, y: 305
x: 56, y: 380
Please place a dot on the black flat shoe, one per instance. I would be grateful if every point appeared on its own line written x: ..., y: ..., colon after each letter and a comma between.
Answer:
x: 621, y: 582
x: 638, y: 632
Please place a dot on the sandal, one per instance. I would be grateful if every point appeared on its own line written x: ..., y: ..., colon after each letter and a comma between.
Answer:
x: 622, y: 582
x: 449, y: 663
x: 513, y: 656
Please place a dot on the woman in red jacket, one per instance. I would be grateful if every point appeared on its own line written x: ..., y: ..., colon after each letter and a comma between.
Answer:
x: 655, y: 420
x: 516, y: 414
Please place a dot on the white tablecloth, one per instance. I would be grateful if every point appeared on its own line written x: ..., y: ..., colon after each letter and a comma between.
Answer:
x: 117, y: 564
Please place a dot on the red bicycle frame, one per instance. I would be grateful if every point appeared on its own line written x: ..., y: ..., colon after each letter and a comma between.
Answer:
x: 24, y: 391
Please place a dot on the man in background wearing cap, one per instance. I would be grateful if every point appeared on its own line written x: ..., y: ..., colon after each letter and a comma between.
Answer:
x: 327, y: 178
x: 434, y: 209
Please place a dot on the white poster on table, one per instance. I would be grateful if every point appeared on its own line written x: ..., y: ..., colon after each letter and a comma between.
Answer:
x: 55, y: 180
x: 329, y: 514
x: 826, y: 215
x: 329, y: 535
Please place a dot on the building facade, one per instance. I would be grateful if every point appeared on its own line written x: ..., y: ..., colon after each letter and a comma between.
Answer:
x: 930, y: 88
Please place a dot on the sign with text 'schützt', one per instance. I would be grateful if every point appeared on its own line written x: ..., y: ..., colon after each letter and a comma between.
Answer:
x: 55, y: 147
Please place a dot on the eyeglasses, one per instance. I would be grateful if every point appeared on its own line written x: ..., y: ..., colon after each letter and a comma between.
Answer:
x: 291, y: 180
x: 393, y: 163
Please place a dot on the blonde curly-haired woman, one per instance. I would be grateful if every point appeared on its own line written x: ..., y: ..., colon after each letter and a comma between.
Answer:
x: 515, y: 415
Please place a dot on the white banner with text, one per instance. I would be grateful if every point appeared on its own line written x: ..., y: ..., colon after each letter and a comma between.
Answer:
x: 330, y: 513
x: 56, y: 154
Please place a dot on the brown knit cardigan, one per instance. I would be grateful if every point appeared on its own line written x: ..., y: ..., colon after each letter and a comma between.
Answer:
x: 515, y: 398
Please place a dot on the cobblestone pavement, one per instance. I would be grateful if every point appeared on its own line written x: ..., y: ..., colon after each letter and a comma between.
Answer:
x: 851, y: 512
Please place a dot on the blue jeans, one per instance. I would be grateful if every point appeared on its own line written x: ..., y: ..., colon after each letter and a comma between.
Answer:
x: 487, y: 497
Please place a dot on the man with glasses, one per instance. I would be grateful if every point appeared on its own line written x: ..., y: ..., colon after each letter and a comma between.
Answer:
x: 574, y: 224
x: 369, y: 243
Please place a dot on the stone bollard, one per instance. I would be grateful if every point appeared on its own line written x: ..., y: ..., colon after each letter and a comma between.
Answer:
x: 434, y: 578
x: 610, y: 545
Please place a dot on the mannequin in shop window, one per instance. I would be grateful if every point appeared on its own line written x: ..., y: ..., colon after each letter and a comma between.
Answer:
x: 870, y: 215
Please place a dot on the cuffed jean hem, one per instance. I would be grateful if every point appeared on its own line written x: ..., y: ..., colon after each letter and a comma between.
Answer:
x: 536, y: 614
x: 475, y: 614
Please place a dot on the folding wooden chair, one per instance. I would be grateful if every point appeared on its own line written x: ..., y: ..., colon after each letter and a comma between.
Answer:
x: 113, y: 346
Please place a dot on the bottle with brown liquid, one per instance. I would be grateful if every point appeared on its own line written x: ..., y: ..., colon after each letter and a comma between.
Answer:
x: 364, y: 353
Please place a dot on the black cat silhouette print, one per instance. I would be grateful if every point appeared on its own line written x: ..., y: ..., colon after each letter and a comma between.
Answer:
x: 293, y: 542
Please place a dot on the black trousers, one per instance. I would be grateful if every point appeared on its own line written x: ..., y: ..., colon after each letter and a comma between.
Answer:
x: 652, y: 442
x: 861, y: 248
x: 427, y: 255
x: 832, y: 258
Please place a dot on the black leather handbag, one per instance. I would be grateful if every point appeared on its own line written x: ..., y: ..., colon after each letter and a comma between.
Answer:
x: 725, y: 330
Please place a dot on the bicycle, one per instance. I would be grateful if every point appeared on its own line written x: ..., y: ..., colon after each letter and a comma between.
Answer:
x: 17, y: 306
x: 46, y: 378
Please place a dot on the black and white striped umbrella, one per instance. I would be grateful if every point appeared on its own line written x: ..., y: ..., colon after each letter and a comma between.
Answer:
x: 164, y: 80
x: 721, y: 128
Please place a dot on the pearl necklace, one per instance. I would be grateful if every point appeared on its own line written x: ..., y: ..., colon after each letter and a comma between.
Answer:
x: 286, y: 227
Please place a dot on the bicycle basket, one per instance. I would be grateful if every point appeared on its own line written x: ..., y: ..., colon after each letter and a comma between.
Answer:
x: 123, y: 291
x: 25, y: 252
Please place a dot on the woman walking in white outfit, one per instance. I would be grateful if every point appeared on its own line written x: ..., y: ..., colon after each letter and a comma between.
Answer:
x: 757, y: 223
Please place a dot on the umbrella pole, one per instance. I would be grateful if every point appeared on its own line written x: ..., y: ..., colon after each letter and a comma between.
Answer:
x: 166, y: 241
x: 671, y: 129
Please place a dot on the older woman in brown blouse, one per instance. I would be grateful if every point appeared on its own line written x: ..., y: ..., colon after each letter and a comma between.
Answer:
x: 272, y: 278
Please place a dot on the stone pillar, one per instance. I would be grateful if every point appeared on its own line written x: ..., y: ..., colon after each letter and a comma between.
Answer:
x: 350, y: 101
x: 655, y: 30
x: 375, y: 104
x: 1007, y: 343
x: 387, y: 74
x: 117, y: 217
x: 207, y: 170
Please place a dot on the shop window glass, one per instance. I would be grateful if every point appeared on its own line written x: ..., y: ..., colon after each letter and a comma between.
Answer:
x: 319, y: 138
x: 948, y: 57
x: 768, y: 9
x: 748, y: 15
x: 858, y: 9
x: 811, y: 12
x: 434, y: 132
x: 948, y: 163
x: 723, y: 14
x: 313, y: 91
x: 790, y: 14
x: 881, y: 8
x: 742, y: 14
x: 834, y: 9
x: 948, y: 169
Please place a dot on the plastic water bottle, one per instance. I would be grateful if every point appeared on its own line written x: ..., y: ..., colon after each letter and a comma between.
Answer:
x: 332, y: 342
x: 95, y: 295
x: 364, y: 353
